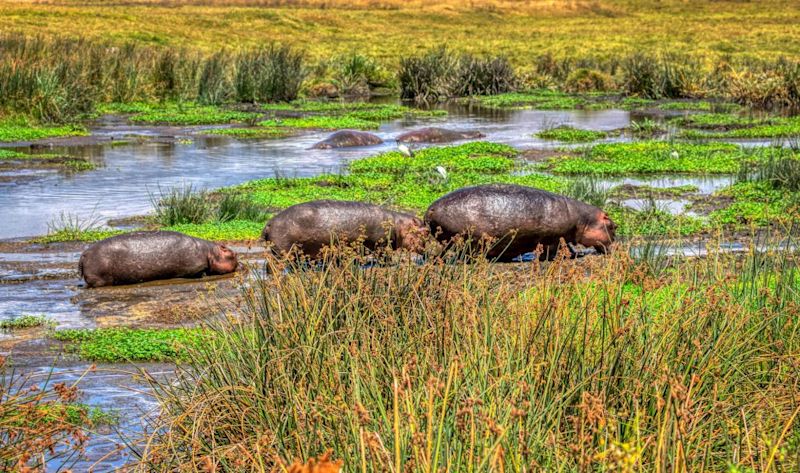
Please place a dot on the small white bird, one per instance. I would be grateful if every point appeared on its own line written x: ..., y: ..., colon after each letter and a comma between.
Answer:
x: 442, y: 172
x: 405, y: 150
x: 674, y: 154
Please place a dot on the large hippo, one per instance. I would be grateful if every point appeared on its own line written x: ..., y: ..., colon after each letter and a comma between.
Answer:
x: 348, y: 139
x: 437, y: 135
x: 310, y: 226
x: 146, y: 256
x: 518, y: 219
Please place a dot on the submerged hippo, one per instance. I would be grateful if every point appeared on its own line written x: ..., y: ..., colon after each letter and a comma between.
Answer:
x: 147, y: 256
x: 348, y: 139
x: 518, y: 219
x: 310, y: 226
x: 437, y: 135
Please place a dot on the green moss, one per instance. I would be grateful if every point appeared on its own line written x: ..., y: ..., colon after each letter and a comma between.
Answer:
x: 234, y: 230
x: 258, y: 132
x: 654, y: 157
x: 128, y: 344
x: 64, y: 235
x: 178, y: 113
x: 26, y: 321
x: 322, y: 123
x: 21, y: 130
x: 569, y: 134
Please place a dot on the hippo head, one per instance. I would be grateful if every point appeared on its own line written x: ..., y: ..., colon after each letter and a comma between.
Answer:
x: 598, y: 232
x: 222, y: 260
x: 410, y: 233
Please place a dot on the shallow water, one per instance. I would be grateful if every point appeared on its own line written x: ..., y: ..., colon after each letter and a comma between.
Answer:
x: 129, y: 174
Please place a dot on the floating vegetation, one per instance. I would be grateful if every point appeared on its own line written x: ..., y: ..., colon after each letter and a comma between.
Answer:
x: 569, y: 134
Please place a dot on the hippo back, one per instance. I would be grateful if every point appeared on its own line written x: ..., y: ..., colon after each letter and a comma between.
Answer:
x: 533, y: 216
x: 313, y: 225
x: 144, y: 256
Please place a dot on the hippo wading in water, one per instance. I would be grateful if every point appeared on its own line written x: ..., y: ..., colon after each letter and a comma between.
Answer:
x: 437, y: 135
x: 348, y: 139
x: 518, y: 219
x: 147, y: 256
x: 310, y: 226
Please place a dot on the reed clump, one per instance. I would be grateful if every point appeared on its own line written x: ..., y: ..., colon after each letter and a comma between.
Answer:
x: 449, y: 365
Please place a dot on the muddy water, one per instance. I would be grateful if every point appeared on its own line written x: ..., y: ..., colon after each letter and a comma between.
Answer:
x: 129, y: 174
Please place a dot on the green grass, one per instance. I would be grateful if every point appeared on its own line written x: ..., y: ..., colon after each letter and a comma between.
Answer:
x: 26, y: 321
x: 21, y: 130
x: 570, y: 134
x: 655, y: 157
x: 251, y: 133
x: 234, y: 230
x: 112, y: 345
x: 178, y: 113
x: 322, y: 123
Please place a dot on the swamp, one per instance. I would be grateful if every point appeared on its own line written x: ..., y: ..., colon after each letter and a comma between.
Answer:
x: 676, y: 351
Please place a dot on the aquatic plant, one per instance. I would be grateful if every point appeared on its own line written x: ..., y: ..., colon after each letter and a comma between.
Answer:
x: 230, y: 230
x: 452, y: 367
x: 250, y: 133
x: 654, y: 157
x: 21, y: 129
x: 26, y: 321
x: 233, y: 206
x: 570, y: 134
x: 112, y: 345
x: 322, y: 122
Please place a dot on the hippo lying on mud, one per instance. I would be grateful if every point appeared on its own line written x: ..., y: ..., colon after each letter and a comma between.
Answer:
x: 348, y: 139
x: 310, y: 226
x: 437, y: 135
x: 518, y: 219
x: 147, y: 256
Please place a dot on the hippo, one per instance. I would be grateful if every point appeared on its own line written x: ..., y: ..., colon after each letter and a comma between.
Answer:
x: 147, y: 256
x: 348, y: 139
x: 310, y: 226
x: 437, y: 135
x: 518, y: 219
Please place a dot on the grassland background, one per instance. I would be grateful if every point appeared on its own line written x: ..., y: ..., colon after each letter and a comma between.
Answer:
x: 389, y: 29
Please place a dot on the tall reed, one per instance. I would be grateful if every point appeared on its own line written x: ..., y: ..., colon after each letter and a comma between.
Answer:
x: 569, y: 366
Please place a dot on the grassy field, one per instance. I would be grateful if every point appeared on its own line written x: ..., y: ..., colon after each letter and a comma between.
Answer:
x: 389, y: 29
